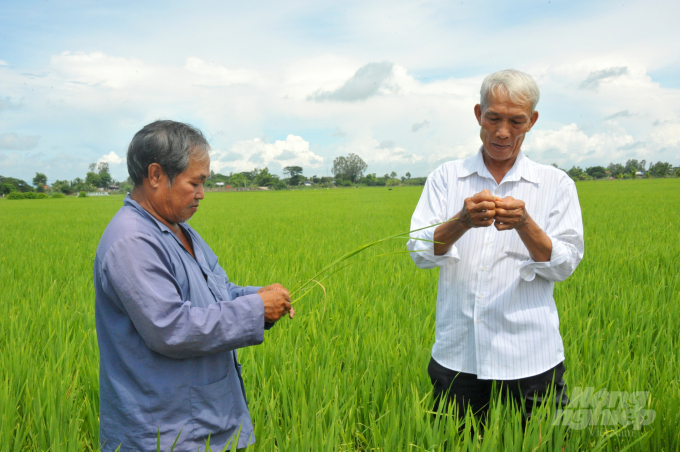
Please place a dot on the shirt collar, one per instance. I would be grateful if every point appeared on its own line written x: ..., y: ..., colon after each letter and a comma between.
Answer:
x: 134, y: 204
x: 522, y: 168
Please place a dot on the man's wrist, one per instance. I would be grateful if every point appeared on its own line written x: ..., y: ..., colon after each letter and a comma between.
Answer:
x: 464, y: 220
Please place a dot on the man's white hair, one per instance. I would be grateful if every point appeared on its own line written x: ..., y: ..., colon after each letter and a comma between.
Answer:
x: 519, y: 86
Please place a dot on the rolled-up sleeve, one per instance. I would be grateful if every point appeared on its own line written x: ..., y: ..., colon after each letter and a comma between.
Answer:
x: 565, y: 229
x: 431, y: 209
x: 140, y: 273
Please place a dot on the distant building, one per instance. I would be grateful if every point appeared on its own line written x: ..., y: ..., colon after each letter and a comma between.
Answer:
x: 114, y: 187
x: 219, y: 184
x: 307, y: 184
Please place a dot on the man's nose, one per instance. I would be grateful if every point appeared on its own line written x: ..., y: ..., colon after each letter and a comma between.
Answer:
x: 503, y: 130
x: 201, y: 192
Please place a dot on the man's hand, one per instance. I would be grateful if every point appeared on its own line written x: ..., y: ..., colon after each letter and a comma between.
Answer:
x: 276, y: 299
x: 479, y: 211
x: 510, y: 214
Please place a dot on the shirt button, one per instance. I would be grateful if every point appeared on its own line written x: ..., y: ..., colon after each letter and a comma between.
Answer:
x: 479, y: 295
x: 488, y: 242
x: 483, y: 269
x: 479, y: 321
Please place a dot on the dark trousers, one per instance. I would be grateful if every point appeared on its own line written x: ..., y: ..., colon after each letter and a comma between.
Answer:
x: 467, y: 390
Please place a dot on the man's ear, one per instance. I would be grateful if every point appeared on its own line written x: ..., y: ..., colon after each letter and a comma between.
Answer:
x: 478, y: 113
x: 533, y: 119
x: 155, y: 175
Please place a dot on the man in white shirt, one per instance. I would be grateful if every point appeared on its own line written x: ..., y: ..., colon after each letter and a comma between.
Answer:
x: 517, y: 231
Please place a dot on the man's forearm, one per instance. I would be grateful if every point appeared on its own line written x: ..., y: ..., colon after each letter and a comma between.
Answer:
x: 537, y: 242
x: 448, y: 234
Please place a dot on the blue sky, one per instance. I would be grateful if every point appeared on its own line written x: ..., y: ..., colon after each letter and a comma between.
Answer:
x: 274, y: 84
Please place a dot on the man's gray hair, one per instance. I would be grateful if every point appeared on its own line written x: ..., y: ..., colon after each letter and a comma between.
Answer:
x: 519, y: 86
x: 170, y: 144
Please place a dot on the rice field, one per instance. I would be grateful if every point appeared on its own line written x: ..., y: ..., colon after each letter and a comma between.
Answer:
x: 349, y: 372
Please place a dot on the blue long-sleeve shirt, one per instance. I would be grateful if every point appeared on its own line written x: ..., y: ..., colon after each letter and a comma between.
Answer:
x: 168, y: 327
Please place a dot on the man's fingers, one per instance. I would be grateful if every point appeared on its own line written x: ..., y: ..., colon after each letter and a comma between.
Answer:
x: 484, y: 195
x: 508, y: 213
x: 484, y: 205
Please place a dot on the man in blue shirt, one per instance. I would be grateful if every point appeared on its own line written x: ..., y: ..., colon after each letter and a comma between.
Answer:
x: 168, y: 319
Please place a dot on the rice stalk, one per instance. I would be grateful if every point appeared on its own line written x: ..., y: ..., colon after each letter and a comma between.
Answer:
x: 356, y: 251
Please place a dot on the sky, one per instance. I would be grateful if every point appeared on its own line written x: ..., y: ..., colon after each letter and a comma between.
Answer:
x: 274, y: 84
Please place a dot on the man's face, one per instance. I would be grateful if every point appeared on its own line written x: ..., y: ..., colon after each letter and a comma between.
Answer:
x: 180, y: 201
x: 504, y: 124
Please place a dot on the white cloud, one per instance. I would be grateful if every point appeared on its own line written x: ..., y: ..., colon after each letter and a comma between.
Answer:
x: 214, y: 74
x: 570, y: 144
x: 369, y: 80
x: 385, y: 153
x: 98, y: 69
x: 248, y: 154
x: 13, y: 142
x: 111, y: 157
x: 3, y: 63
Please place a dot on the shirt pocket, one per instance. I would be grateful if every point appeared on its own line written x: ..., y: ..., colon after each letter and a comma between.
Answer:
x: 218, y: 287
x: 212, y: 407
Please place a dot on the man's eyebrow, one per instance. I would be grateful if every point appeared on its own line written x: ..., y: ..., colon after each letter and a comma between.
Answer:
x: 491, y: 112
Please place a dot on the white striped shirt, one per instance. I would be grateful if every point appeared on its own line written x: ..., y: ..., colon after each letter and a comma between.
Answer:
x: 496, y: 316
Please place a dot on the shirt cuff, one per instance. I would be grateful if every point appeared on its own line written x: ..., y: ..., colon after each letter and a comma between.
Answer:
x: 250, y: 290
x: 257, y: 317
x: 423, y: 252
x: 559, y: 254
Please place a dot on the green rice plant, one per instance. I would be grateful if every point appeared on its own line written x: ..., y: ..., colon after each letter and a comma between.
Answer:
x: 312, y: 282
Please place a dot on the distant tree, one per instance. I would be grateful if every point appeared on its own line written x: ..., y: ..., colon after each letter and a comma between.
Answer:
x: 92, y: 167
x: 393, y: 175
x: 632, y: 165
x: 349, y: 168
x: 660, y: 169
x: 264, y: 178
x: 6, y: 189
x: 93, y: 179
x: 292, y: 171
x: 555, y: 165
x: 677, y: 172
x: 596, y: 172
x: 238, y: 180
x: 18, y: 184
x: 62, y: 186
x: 103, y: 167
x: 408, y: 175
x: 39, y: 180
x: 279, y: 185
x: 616, y: 168
x: 575, y: 171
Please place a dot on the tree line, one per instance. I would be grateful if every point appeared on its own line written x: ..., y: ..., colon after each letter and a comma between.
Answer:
x: 631, y: 170
x: 97, y: 177
x: 347, y: 171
